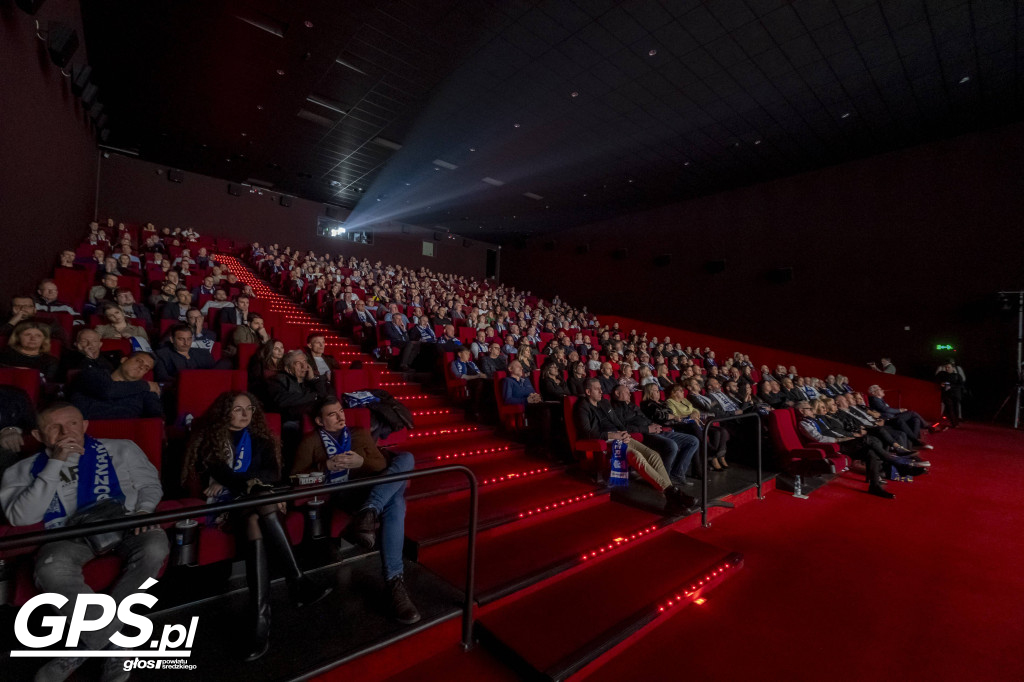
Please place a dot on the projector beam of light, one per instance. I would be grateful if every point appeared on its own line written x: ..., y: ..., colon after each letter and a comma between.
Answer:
x: 540, y: 157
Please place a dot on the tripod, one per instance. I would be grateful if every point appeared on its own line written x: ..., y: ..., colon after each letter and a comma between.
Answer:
x: 1017, y: 392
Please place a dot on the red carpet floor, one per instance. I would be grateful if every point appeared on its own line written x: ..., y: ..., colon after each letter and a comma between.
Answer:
x: 846, y: 586
x: 843, y: 586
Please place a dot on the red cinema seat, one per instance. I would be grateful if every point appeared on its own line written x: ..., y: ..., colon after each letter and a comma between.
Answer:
x: 593, y: 452
x: 513, y: 417
x: 122, y: 345
x: 26, y: 379
x: 245, y: 353
x: 148, y: 434
x: 198, y: 388
x: 795, y: 456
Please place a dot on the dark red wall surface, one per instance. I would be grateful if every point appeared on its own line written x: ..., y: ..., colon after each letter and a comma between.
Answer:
x: 138, y: 191
x: 47, y: 150
x: 919, y: 238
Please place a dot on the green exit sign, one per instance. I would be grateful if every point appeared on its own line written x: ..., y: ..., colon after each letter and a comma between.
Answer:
x: 944, y: 346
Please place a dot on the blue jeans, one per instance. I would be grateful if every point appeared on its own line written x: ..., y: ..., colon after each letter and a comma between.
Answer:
x: 388, y: 499
x: 676, y: 450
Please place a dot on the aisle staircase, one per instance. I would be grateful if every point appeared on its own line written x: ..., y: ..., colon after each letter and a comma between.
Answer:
x: 564, y: 574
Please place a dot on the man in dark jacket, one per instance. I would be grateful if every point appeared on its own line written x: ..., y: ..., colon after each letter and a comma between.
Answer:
x: 121, y: 394
x: 180, y: 355
x: 675, y: 448
x: 907, y: 421
x: 596, y: 420
x: 394, y: 331
x: 293, y: 392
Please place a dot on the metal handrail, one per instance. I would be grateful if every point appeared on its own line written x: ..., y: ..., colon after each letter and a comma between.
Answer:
x: 704, y: 503
x: 155, y: 518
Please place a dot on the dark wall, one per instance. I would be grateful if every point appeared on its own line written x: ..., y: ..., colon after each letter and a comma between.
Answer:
x: 138, y: 191
x: 47, y: 150
x: 920, y: 238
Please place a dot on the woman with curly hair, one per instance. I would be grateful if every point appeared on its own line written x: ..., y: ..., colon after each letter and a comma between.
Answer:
x: 233, y: 454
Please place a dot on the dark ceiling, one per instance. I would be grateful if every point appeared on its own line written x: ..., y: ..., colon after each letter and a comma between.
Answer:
x: 573, y: 111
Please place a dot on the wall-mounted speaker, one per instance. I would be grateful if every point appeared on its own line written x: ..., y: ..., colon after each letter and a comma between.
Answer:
x: 519, y: 243
x: 95, y: 110
x: 80, y: 75
x: 101, y: 121
x: 175, y: 175
x: 285, y: 201
x: 550, y: 245
x: 583, y: 249
x: 780, y: 275
x: 234, y: 190
x: 620, y: 254
x: 438, y: 236
x: 61, y: 42
x: 104, y: 134
x: 663, y: 260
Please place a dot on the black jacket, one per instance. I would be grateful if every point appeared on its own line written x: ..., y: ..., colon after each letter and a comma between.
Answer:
x: 262, y: 465
x: 595, y: 421
x: 292, y: 398
x: 98, y: 396
x: 549, y: 390
x: 631, y: 415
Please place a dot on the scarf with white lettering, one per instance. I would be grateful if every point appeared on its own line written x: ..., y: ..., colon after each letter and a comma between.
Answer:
x: 97, y: 481
x: 336, y: 446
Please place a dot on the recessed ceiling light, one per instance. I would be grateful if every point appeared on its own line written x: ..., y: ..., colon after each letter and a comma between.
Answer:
x: 735, y: 144
x: 964, y: 79
x: 575, y: 94
x: 846, y: 114
x: 308, y: 24
x: 472, y: 149
x: 757, y: 141
x: 245, y: 134
x: 280, y: 72
x: 652, y: 52
x: 259, y: 107
x: 584, y: 194
x: 630, y: 180
x: 515, y: 125
x: 686, y: 163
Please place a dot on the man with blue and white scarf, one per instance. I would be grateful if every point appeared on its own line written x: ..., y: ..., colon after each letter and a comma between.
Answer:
x: 341, y: 451
x: 73, y: 472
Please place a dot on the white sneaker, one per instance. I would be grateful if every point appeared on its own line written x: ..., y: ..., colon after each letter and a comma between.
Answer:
x: 927, y: 447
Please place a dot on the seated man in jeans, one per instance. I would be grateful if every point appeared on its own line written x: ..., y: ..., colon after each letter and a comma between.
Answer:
x: 72, y: 472
x: 676, y: 448
x: 597, y: 420
x: 341, y: 452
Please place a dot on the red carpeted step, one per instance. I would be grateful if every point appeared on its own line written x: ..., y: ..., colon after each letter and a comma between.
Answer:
x: 452, y: 663
x: 561, y: 626
x: 438, y: 416
x: 516, y: 555
x: 449, y: 433
x: 455, y: 450
x: 434, y: 519
x: 496, y: 469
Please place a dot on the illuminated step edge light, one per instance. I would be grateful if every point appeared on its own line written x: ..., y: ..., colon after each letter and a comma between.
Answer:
x: 470, y: 453
x: 514, y: 476
x: 443, y: 432
x: 557, y: 505
x: 618, y: 542
x: 694, y: 594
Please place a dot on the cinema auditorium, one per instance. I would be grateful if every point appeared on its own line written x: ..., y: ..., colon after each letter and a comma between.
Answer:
x: 511, y: 340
